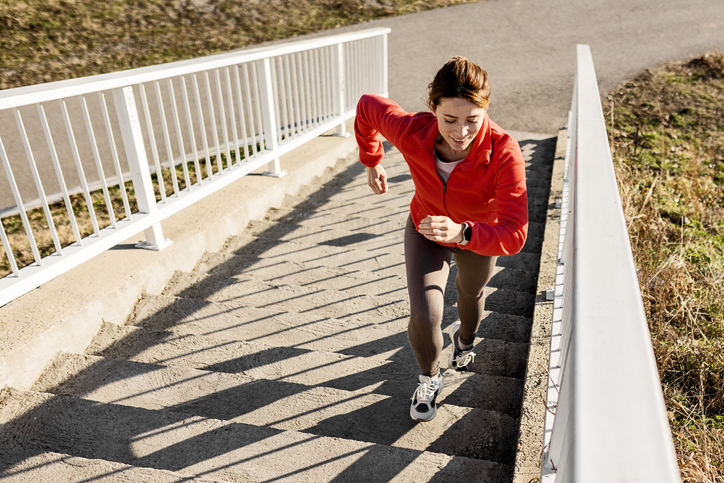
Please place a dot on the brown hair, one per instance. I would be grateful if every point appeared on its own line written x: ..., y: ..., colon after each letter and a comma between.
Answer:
x: 460, y: 77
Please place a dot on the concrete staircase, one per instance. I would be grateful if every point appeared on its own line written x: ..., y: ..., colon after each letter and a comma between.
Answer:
x: 285, y: 357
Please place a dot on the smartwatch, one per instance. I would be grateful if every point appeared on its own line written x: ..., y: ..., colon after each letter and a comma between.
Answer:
x: 467, y: 234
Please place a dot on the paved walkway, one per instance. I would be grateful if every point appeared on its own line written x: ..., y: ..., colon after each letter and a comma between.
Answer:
x: 529, y: 48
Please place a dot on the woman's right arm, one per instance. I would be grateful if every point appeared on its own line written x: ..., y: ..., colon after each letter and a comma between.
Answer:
x: 378, y: 115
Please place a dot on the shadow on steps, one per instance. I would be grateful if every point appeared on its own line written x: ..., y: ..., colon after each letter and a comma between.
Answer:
x: 218, y: 447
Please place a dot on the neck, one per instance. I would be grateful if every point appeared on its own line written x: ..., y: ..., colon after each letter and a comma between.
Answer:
x: 446, y: 154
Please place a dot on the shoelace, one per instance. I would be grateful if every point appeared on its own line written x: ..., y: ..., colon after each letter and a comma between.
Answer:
x: 425, y: 391
x: 465, y: 358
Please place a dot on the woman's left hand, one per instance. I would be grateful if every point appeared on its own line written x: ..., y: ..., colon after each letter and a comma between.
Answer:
x: 441, y: 229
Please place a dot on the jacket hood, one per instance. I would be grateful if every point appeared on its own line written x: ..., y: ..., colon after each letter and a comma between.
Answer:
x: 482, y: 144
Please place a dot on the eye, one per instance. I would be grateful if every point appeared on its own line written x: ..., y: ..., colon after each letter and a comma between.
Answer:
x: 449, y: 121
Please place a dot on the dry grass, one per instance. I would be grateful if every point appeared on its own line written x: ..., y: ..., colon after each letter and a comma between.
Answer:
x: 667, y: 140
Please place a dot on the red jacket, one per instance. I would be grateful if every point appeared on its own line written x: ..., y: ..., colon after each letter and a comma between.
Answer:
x: 487, y: 190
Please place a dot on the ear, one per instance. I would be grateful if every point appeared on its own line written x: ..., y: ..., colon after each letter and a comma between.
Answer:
x: 431, y: 106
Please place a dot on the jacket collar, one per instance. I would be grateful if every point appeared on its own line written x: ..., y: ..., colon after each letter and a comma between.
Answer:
x: 482, y: 144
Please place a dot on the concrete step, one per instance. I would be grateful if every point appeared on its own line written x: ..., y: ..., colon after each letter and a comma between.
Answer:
x: 382, y: 206
x: 214, y: 448
x: 20, y: 465
x: 360, y: 295
x: 359, y: 282
x: 382, y: 237
x: 274, y: 327
x: 487, y: 388
x: 248, y: 254
x: 369, y: 417
x: 289, y: 298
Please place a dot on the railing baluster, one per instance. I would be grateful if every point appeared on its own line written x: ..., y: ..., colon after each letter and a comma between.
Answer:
x: 276, y: 100
x: 292, y: 126
x: 179, y: 132
x: 202, y: 124
x: 222, y: 113
x: 385, y: 88
x: 242, y: 120
x: 314, y: 82
x: 114, y: 154
x: 326, y: 83
x: 97, y: 158
x: 295, y: 88
x: 250, y: 108
x: 212, y: 120
x: 19, y: 204
x: 8, y: 250
x: 79, y: 167
x: 59, y: 174
x: 303, y: 87
x: 166, y: 137
x: 339, y: 86
x: 152, y: 141
x: 308, y: 91
x: 192, y: 134
x: 256, y: 88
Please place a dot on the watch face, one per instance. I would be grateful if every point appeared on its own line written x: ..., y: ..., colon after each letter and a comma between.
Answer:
x: 468, y: 233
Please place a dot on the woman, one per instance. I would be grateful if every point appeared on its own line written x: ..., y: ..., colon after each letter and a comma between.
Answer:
x: 470, y: 203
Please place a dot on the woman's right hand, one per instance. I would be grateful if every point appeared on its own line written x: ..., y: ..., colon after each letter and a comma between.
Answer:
x: 377, y: 179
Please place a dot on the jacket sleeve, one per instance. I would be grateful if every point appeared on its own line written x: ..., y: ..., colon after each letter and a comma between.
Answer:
x: 378, y: 115
x: 508, y: 235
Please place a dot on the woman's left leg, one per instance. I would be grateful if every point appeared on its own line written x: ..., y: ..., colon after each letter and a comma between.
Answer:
x: 474, y: 273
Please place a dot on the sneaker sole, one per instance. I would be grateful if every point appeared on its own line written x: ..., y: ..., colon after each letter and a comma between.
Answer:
x: 418, y: 416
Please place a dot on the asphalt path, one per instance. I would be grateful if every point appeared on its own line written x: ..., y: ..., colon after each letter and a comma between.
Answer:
x: 528, y: 48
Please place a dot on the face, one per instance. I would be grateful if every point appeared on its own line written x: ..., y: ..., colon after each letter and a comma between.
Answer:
x: 458, y: 121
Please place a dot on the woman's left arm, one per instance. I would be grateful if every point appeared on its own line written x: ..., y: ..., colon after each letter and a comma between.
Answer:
x: 508, y: 235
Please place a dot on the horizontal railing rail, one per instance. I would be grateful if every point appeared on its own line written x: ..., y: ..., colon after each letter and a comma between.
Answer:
x: 607, y: 419
x: 91, y: 162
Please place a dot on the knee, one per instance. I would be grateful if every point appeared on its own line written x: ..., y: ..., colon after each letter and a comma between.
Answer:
x: 472, y: 293
x: 425, y: 320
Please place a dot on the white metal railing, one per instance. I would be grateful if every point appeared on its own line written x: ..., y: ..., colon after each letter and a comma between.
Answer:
x: 203, y: 124
x: 610, y: 421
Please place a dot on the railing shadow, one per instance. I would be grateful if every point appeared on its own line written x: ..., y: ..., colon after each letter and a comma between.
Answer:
x: 212, y: 433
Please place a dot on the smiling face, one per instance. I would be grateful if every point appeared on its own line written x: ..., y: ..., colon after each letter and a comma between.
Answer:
x: 458, y: 121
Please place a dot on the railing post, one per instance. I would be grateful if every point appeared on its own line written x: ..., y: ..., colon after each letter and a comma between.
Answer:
x: 138, y: 164
x: 268, y: 113
x: 339, y: 88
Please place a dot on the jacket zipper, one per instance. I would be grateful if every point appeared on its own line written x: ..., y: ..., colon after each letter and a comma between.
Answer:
x: 444, y: 198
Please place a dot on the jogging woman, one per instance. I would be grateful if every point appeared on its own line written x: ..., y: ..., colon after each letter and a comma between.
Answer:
x: 470, y: 203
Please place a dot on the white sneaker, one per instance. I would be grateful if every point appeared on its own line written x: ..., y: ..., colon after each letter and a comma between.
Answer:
x: 424, y: 406
x: 459, y: 359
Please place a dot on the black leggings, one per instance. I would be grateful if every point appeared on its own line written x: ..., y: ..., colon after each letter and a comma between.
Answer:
x: 428, y: 266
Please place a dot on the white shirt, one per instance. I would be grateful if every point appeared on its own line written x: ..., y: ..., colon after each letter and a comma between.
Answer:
x: 445, y: 168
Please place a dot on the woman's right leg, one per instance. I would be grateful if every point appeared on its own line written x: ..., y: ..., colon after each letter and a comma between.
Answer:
x: 428, y: 266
